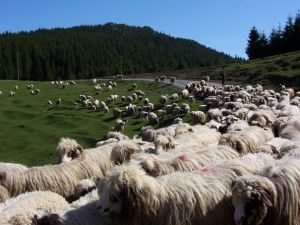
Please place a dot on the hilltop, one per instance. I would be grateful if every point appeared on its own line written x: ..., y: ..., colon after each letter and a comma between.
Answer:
x: 83, y: 52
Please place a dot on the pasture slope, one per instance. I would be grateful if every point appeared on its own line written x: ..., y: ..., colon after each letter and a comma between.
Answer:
x: 30, y: 129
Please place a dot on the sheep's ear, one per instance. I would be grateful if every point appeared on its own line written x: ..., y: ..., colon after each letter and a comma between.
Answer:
x: 3, y: 176
x: 96, y: 180
x: 79, y: 148
x: 233, y: 183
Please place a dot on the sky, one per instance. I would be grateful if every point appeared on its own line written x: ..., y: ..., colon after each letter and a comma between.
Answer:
x: 223, y: 25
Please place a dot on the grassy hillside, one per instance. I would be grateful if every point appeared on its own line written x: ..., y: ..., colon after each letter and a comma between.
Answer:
x: 30, y: 129
x: 269, y: 71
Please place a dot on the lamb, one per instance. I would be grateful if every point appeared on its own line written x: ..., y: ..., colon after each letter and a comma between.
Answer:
x: 198, y: 117
x: 246, y: 140
x: 153, y: 118
x: 68, y: 149
x: 271, y: 198
x: 22, y: 209
x: 12, y: 93
x: 203, y: 196
x: 187, y: 161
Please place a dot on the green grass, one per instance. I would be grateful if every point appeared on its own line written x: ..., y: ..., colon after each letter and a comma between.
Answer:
x: 30, y: 129
x: 269, y: 71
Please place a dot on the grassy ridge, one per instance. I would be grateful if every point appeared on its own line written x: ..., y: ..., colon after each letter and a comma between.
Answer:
x: 30, y: 129
x: 269, y: 71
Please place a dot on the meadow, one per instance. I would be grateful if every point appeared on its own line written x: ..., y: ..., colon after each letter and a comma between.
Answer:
x: 30, y: 129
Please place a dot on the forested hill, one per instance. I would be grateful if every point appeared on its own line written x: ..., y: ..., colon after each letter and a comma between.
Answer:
x: 88, y: 51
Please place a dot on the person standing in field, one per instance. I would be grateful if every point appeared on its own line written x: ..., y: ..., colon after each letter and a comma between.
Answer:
x: 223, y: 77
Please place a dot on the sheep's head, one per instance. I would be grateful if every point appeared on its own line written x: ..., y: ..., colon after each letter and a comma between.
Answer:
x: 123, y: 150
x: 252, y: 197
x: 125, y: 191
x: 69, y: 149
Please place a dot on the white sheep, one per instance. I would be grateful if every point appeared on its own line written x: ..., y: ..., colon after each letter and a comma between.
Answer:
x: 120, y: 125
x: 163, y: 99
x: 140, y: 199
x: 174, y: 97
x: 23, y: 209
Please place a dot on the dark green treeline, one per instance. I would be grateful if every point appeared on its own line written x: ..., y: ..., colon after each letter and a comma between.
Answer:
x: 93, y: 51
x: 279, y: 40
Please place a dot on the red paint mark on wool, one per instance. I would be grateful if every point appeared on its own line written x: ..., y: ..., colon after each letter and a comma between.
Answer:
x: 207, y: 170
x: 182, y: 157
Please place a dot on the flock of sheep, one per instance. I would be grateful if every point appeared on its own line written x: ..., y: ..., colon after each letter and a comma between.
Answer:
x: 238, y: 163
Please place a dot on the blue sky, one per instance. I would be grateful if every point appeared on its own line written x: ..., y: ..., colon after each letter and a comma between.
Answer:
x: 222, y: 25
